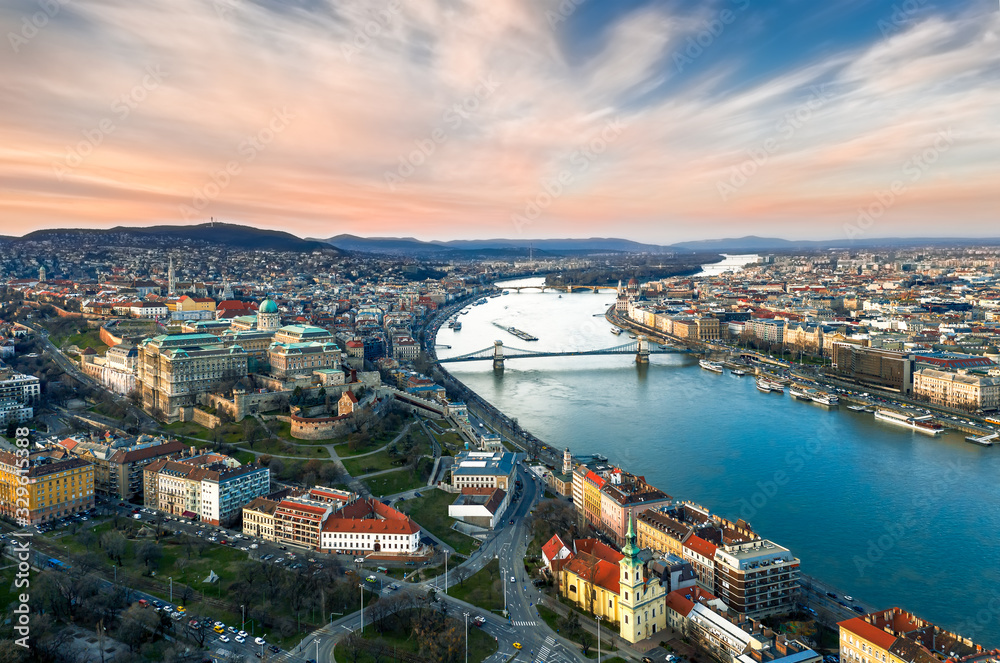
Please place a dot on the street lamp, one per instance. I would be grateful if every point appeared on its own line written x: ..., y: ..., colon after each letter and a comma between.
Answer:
x: 243, y: 625
x: 316, y: 641
x: 445, y: 571
x: 171, y: 589
x: 466, y: 637
x: 599, y: 618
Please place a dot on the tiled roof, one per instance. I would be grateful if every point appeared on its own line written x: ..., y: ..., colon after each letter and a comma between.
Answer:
x: 869, y: 632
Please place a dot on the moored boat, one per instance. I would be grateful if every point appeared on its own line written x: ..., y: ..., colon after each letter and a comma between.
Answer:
x: 713, y: 366
x: 800, y: 392
x: 738, y: 372
x: 767, y: 386
x: 823, y: 398
x: 922, y: 424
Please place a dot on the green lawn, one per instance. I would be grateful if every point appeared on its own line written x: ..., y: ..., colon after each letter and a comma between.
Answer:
x: 554, y: 622
x: 430, y: 510
x: 401, y: 480
x: 277, y: 447
x: 481, y: 644
x: 484, y: 588
x: 89, y: 338
x: 382, y: 460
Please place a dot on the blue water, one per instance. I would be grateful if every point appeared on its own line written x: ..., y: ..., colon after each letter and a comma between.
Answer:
x: 888, y: 515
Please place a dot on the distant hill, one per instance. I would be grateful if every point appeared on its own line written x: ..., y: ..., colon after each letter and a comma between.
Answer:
x: 469, y: 247
x: 753, y: 244
x: 222, y: 234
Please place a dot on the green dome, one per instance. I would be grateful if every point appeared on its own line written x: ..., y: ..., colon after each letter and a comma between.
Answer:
x: 268, y: 306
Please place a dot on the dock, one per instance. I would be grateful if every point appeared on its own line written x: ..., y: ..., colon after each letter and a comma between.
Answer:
x: 523, y: 335
x: 985, y: 440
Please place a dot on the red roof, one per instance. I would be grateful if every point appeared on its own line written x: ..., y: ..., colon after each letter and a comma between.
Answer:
x: 866, y: 631
x: 552, y: 548
x: 595, y: 478
x: 69, y: 443
x: 700, y: 546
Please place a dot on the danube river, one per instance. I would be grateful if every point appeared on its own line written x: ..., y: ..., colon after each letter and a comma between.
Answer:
x: 889, y: 516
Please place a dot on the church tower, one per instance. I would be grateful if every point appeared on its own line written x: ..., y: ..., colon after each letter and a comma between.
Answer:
x: 567, y: 462
x: 631, y: 583
x: 41, y: 274
x: 171, y: 278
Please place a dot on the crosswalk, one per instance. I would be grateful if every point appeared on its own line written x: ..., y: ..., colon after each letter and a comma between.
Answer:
x: 543, y: 653
x: 515, y: 623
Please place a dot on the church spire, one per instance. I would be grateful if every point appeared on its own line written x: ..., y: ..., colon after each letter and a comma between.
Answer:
x: 630, y: 549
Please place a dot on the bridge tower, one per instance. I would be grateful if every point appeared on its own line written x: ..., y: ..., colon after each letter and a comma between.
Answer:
x: 498, y: 355
x: 642, y: 357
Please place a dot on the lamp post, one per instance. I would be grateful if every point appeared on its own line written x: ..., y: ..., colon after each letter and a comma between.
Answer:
x: 362, y: 608
x: 171, y: 589
x: 316, y: 642
x: 445, y: 571
x: 466, y: 637
x: 599, y: 618
x: 244, y: 624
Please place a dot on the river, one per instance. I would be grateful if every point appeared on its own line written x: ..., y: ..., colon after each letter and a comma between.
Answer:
x: 888, y: 515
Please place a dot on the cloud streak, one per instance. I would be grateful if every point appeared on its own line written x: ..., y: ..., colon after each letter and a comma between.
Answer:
x: 360, y: 103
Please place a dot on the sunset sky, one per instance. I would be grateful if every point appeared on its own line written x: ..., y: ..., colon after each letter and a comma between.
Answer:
x: 440, y: 119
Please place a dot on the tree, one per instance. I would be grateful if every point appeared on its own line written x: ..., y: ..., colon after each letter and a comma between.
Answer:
x: 353, y: 646
x: 114, y: 545
x: 149, y: 554
x: 251, y: 431
x: 137, y: 625
x: 586, y: 641
x: 461, y: 573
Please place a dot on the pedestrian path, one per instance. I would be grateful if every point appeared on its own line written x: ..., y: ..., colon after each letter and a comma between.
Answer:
x: 523, y: 623
x: 543, y: 654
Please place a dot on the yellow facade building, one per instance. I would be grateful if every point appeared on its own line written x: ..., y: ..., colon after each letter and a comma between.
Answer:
x: 44, y: 487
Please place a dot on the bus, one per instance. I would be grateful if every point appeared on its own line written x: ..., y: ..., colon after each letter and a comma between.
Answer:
x: 993, y: 420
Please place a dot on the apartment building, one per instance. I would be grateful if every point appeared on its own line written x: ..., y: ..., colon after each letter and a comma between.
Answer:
x: 622, y: 498
x: 258, y: 518
x: 56, y: 486
x: 960, y: 390
x: 886, y: 369
x: 897, y: 636
x: 119, y: 464
x: 211, y: 488
x: 756, y: 578
x: 19, y: 393
x: 298, y: 521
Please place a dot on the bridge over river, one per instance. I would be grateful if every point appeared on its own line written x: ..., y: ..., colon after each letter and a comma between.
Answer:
x: 640, y: 347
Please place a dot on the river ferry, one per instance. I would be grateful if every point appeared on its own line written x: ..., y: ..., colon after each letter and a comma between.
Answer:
x: 457, y: 326
x: 713, y: 366
x: 738, y: 372
x: 800, y: 392
x: 922, y: 424
x: 824, y: 398
x: 616, y: 331
x: 767, y: 386
x: 856, y: 408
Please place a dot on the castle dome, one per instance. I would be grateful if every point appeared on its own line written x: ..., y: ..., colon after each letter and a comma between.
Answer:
x: 268, y: 306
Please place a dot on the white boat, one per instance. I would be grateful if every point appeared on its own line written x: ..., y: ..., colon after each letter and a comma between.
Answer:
x: 856, y: 408
x: 982, y: 440
x: 713, y: 366
x: 632, y: 336
x: 824, y: 398
x: 458, y: 326
x: 765, y: 385
x: 616, y: 331
x: 922, y: 424
x: 738, y: 372
x: 801, y: 393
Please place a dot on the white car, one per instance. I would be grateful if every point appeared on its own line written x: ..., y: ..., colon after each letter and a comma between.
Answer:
x: 241, y: 634
x: 223, y: 638
x: 240, y: 639
x: 253, y: 546
x: 260, y: 641
x: 137, y: 516
x: 219, y: 624
x: 512, y: 579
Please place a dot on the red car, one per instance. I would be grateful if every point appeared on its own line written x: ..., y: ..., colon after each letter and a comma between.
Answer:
x: 223, y: 542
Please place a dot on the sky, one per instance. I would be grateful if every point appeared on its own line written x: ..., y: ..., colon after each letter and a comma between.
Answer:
x: 658, y: 121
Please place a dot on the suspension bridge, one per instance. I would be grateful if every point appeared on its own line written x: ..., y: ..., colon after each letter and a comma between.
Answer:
x: 640, y: 347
